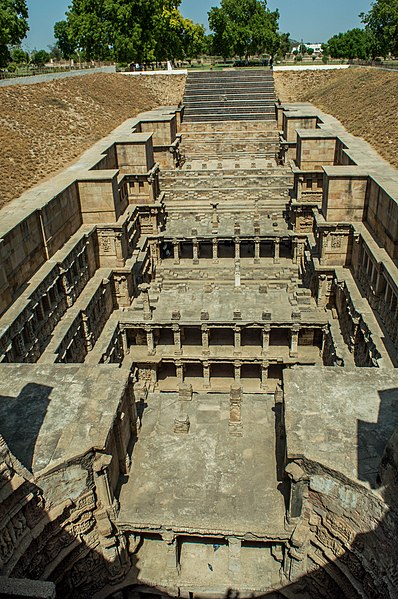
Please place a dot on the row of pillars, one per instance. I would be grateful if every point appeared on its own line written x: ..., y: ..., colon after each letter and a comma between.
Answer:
x: 178, y: 350
x: 215, y: 241
x: 173, y: 553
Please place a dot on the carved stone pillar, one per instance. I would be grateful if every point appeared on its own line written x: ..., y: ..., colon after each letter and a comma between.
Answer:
x: 294, y: 334
x: 103, y: 490
x: 171, y: 559
x: 181, y: 422
x: 88, y: 334
x: 237, y: 340
x: 237, y: 272
x: 177, y: 340
x: 206, y: 375
x: 215, y: 250
x: 295, y: 251
x: 266, y: 335
x: 235, y: 410
x: 257, y: 250
x: 176, y: 248
x: 234, y: 562
x: 237, y: 371
x: 195, y: 249
x: 126, y: 349
x: 150, y: 340
x: 276, y: 251
x: 214, y: 218
x: 205, y: 340
x: 237, y: 248
x: 264, y: 375
x: 180, y: 372
x: 144, y: 288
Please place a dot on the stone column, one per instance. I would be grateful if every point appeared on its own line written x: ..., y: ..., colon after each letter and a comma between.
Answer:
x: 237, y: 340
x: 266, y: 334
x: 215, y: 250
x: 257, y: 250
x: 126, y: 349
x: 237, y: 248
x: 205, y: 340
x: 177, y: 340
x: 294, y: 334
x: 100, y: 467
x: 214, y: 218
x: 295, y: 251
x: 237, y: 272
x: 195, y: 247
x: 322, y: 288
x: 150, y: 340
x: 144, y: 288
x: 237, y: 371
x: 264, y: 375
x: 88, y: 334
x: 325, y: 332
x: 181, y: 422
x: 206, y: 375
x: 176, y: 249
x: 171, y: 560
x: 234, y: 563
x: 180, y: 372
x: 235, y: 410
x: 276, y: 250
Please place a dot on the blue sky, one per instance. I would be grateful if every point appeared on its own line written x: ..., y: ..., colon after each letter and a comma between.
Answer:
x: 309, y: 20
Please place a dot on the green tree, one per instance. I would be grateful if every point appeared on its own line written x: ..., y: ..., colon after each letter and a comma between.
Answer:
x: 243, y: 28
x: 284, y: 44
x: 87, y: 28
x: 303, y: 49
x: 381, y: 23
x: 355, y: 43
x: 13, y: 26
x: 310, y: 51
x: 62, y: 34
x: 39, y: 58
x: 18, y: 55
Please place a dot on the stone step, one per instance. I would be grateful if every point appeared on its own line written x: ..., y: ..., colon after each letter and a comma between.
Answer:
x: 255, y: 116
x: 229, y: 105
x: 230, y: 94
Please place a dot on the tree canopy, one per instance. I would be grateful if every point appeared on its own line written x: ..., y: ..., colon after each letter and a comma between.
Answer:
x: 244, y: 28
x: 129, y: 30
x: 381, y: 23
x: 13, y: 26
x: 355, y: 43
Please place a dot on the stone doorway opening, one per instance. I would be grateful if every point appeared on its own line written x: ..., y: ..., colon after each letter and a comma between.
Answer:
x: 221, y: 337
x: 266, y: 249
x: 186, y: 250
x: 280, y: 337
x: 191, y: 336
x: 167, y: 377
x: 251, y: 338
x: 194, y: 374
x: 247, y: 249
x: 222, y: 375
x: 250, y: 378
x: 226, y: 249
x: 206, y: 250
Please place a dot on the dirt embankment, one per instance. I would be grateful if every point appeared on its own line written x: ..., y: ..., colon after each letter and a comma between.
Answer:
x: 44, y: 127
x: 364, y: 100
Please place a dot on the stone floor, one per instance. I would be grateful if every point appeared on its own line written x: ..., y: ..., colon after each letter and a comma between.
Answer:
x: 207, y: 480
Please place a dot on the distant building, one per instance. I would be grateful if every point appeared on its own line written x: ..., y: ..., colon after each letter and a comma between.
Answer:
x: 316, y: 47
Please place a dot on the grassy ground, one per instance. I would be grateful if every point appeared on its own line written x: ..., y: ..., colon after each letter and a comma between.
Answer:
x: 365, y: 100
x: 44, y: 127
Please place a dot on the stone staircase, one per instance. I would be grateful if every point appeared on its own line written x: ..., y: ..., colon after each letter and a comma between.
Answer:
x: 229, y: 96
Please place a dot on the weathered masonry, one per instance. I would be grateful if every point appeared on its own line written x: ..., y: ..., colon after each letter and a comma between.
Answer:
x: 198, y: 351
